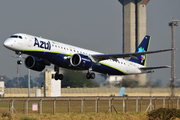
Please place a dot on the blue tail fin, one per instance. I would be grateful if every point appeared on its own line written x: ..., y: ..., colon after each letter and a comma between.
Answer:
x: 143, y: 47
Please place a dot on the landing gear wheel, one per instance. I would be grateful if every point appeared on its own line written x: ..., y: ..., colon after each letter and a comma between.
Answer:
x: 19, y: 62
x: 58, y: 76
x: 90, y: 75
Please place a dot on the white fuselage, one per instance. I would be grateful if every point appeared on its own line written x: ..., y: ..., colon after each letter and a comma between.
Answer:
x: 36, y: 46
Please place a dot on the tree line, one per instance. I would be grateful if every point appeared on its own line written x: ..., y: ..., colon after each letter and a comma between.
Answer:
x: 73, y: 79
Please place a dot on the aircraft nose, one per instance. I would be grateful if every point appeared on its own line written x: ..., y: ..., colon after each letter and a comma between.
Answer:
x: 8, y: 43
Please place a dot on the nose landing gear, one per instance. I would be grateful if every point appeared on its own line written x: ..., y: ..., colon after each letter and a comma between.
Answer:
x: 19, y: 62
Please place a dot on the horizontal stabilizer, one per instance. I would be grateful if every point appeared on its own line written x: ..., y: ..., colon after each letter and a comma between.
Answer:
x: 154, y: 67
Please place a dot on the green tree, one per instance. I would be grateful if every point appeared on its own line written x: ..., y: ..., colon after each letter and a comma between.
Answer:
x: 71, y: 78
x: 128, y: 82
x: 76, y: 79
x: 39, y: 80
x: 23, y: 81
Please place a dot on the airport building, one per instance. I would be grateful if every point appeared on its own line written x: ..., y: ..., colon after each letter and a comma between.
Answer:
x: 134, y: 28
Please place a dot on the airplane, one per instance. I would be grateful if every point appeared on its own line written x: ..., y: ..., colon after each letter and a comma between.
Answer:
x: 44, y: 52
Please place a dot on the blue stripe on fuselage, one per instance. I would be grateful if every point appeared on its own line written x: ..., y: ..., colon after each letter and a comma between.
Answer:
x: 58, y: 59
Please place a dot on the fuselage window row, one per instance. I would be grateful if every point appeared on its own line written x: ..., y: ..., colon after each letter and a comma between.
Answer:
x: 70, y: 49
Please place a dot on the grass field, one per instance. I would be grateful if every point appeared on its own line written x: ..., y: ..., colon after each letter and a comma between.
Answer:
x: 75, y: 116
x: 61, y: 107
x: 73, y: 112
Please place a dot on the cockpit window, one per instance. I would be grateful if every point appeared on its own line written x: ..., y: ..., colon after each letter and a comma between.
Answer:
x: 15, y: 36
x: 20, y: 37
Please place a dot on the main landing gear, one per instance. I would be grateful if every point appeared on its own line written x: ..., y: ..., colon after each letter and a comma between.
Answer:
x: 90, y: 75
x: 57, y: 76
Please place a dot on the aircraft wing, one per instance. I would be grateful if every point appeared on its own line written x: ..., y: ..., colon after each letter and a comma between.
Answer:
x: 154, y: 67
x: 99, y: 57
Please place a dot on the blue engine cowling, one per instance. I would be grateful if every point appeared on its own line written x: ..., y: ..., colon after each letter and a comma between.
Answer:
x: 81, y: 61
x: 35, y: 63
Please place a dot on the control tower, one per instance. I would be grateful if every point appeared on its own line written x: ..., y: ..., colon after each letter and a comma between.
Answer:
x: 134, y: 27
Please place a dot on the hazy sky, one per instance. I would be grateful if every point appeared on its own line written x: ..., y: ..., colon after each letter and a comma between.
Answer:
x: 91, y: 24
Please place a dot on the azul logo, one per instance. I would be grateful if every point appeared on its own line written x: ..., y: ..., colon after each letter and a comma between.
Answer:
x: 143, y: 57
x: 42, y: 44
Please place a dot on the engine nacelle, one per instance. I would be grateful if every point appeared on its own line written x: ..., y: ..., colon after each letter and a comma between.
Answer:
x: 81, y: 61
x: 34, y: 63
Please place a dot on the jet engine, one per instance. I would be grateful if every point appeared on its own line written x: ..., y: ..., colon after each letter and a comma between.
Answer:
x: 81, y: 61
x: 35, y: 63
